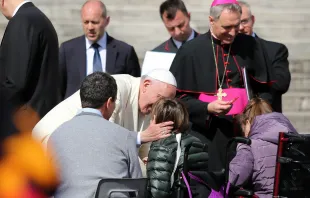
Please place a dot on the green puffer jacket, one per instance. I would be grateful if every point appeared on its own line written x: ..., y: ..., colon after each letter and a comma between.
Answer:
x: 161, y: 162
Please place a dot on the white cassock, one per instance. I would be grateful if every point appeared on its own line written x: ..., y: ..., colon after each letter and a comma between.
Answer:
x: 126, y: 113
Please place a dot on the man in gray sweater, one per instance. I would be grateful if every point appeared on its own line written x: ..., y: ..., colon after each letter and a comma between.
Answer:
x: 88, y: 147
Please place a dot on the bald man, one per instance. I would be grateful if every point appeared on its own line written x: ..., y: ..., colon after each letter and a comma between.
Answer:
x: 94, y: 51
x: 135, y: 97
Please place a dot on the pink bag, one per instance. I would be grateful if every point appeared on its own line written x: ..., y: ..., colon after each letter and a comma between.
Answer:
x: 232, y: 93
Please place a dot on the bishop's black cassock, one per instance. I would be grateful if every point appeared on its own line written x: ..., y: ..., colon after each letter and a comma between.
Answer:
x: 195, y: 71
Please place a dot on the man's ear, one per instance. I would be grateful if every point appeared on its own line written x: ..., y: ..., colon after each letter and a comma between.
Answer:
x: 109, y: 103
x: 146, y: 83
x: 107, y: 21
x: 253, y: 19
x: 189, y: 15
x: 211, y: 20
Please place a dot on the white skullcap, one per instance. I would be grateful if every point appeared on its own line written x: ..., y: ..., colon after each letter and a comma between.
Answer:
x: 163, y: 75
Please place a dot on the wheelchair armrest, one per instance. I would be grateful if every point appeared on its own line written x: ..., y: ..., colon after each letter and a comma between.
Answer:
x: 243, y: 193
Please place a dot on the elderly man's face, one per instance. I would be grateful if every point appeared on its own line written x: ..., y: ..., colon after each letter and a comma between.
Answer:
x: 151, y: 91
x: 226, y: 27
x: 247, y: 22
x: 94, y: 23
x: 179, y: 27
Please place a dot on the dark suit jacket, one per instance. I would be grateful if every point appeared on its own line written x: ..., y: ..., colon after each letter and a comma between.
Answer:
x: 7, y: 127
x: 29, y: 59
x: 121, y: 58
x: 277, y: 58
x: 169, y: 46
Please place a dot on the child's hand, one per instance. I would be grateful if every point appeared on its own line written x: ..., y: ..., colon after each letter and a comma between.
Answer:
x: 144, y: 160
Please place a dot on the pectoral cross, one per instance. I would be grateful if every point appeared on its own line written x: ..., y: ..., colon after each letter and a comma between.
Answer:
x: 220, y: 94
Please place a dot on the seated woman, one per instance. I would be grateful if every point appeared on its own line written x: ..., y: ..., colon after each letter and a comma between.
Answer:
x: 255, y: 164
x: 166, y: 155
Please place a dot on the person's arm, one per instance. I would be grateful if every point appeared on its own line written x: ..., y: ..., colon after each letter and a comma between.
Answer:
x: 280, y: 66
x: 19, y: 59
x: 241, y: 167
x: 63, y: 71
x: 133, y: 66
x: 160, y: 166
x: 198, y: 110
x: 134, y: 168
x: 200, y: 113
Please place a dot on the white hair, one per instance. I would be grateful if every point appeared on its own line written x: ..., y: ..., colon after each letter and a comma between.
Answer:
x: 216, y: 11
x: 245, y: 4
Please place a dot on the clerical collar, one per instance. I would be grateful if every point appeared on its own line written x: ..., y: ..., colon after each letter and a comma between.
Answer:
x: 102, y: 42
x: 17, y: 8
x: 215, y: 39
x: 179, y: 44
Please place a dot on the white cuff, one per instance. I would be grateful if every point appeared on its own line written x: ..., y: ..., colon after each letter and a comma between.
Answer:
x: 138, y: 139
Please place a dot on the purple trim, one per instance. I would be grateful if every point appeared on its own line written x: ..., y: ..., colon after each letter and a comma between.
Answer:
x: 197, y: 179
x: 227, y: 188
x: 213, y: 194
x: 187, y: 185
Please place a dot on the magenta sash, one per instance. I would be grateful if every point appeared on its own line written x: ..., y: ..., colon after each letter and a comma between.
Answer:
x: 232, y: 93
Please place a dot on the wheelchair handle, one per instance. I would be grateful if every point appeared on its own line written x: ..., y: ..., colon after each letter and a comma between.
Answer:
x: 243, y: 140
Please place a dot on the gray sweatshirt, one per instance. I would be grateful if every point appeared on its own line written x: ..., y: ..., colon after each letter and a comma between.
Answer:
x: 88, y: 148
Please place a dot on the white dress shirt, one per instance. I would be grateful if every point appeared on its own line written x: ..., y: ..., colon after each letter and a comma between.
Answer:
x: 20, y: 5
x: 179, y: 44
x: 90, y: 51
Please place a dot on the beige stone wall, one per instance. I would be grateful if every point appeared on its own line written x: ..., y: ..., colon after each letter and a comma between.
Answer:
x: 137, y: 22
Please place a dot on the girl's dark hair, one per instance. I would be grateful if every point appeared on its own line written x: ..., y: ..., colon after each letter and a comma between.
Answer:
x: 173, y: 110
x: 256, y: 107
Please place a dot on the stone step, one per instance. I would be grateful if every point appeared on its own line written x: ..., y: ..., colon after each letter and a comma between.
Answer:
x: 277, y: 4
x: 300, y: 83
x: 299, y: 120
x: 294, y: 101
x: 300, y: 67
x: 149, y: 12
x: 262, y: 15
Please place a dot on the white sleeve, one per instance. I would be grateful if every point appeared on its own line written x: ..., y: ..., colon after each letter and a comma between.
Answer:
x: 61, y: 113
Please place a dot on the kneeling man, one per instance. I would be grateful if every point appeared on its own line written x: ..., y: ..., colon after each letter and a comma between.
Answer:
x: 89, y: 147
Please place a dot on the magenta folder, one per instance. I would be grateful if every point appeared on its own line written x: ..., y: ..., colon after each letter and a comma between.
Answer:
x: 232, y: 93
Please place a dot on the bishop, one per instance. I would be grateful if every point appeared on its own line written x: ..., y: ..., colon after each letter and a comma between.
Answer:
x: 199, y: 69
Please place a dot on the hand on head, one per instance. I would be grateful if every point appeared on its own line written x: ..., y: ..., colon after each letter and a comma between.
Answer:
x: 156, y: 131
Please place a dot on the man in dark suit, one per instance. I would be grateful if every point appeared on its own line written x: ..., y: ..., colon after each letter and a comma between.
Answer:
x: 95, y: 51
x: 29, y: 58
x: 177, y: 21
x: 276, y: 55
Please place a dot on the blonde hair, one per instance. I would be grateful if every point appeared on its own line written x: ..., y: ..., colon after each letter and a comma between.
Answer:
x: 173, y: 110
x: 256, y: 107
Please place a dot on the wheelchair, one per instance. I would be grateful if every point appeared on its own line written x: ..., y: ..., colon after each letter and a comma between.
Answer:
x: 212, y: 182
x: 292, y: 175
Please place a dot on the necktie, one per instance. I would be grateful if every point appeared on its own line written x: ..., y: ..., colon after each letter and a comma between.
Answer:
x: 97, y: 66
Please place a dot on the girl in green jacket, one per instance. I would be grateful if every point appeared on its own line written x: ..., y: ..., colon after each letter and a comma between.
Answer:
x: 165, y: 157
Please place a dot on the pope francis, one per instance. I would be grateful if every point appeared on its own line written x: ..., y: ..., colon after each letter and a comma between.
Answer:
x: 135, y: 97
